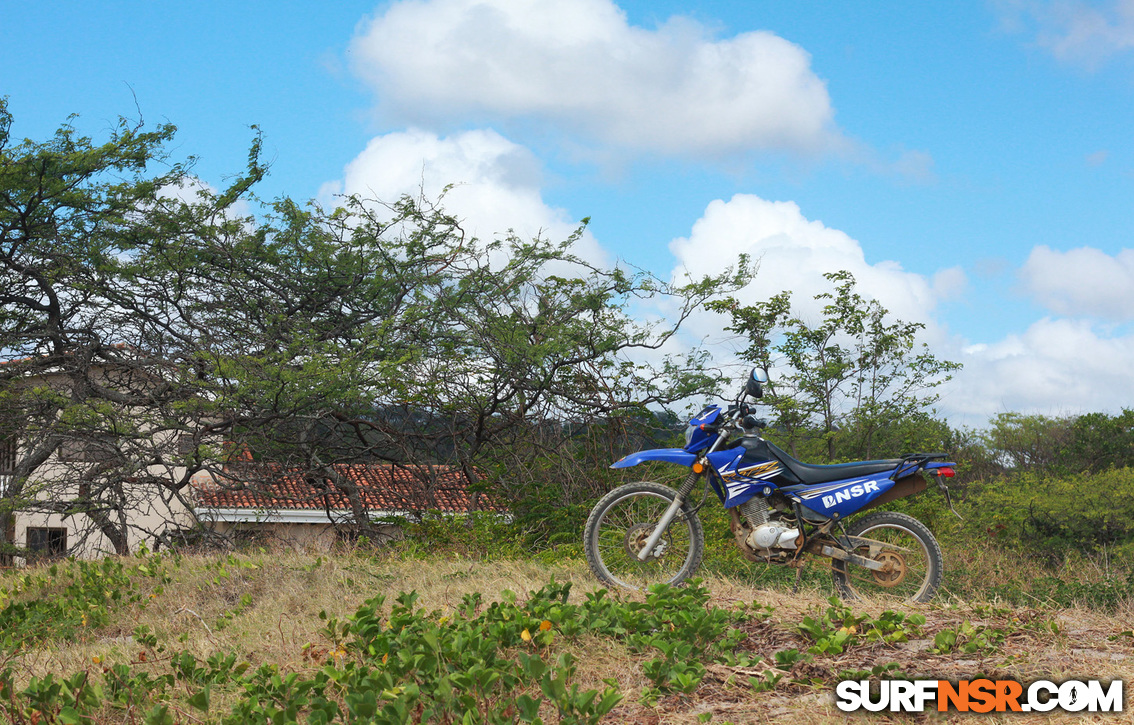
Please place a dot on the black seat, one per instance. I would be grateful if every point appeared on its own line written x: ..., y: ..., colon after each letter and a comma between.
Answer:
x: 812, y: 474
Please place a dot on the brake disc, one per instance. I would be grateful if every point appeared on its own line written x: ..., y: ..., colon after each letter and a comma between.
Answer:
x: 636, y: 538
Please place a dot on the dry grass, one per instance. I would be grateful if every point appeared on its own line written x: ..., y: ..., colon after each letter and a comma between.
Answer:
x: 975, y: 570
x: 1081, y: 650
x: 201, y: 611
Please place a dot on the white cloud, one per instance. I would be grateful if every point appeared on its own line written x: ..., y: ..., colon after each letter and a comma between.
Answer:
x: 1075, y: 31
x: 794, y: 253
x: 495, y: 183
x: 1098, y: 158
x: 949, y: 283
x: 914, y: 166
x: 1055, y: 367
x: 1082, y: 281
x: 580, y: 66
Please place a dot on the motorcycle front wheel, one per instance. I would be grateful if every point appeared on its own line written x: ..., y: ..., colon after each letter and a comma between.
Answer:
x: 912, y: 557
x: 619, y: 526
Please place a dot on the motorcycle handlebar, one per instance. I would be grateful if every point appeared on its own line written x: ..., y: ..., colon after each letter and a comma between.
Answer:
x: 740, y: 410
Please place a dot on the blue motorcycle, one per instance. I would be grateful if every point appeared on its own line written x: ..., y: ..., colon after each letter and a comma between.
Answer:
x: 780, y: 510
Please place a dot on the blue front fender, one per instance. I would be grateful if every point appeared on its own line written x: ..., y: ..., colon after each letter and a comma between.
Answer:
x: 669, y: 455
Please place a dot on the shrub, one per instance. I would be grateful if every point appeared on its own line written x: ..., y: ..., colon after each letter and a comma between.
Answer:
x: 1052, y: 514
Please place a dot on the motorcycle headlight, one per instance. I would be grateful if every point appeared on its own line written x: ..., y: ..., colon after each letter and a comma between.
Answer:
x: 689, y: 434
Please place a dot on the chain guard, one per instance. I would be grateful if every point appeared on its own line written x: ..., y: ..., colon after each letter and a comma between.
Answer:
x: 885, y: 561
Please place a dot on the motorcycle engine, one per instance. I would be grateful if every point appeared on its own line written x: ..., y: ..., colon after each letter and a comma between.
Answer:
x: 767, y: 534
x: 756, y: 511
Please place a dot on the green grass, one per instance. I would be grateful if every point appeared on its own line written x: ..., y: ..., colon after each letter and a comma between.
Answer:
x: 415, y: 632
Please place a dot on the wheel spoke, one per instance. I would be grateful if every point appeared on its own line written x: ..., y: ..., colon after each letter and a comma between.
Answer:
x: 622, y: 527
x: 910, y: 559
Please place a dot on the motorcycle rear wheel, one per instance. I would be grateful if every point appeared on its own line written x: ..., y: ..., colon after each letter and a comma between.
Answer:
x: 618, y: 527
x: 913, y: 556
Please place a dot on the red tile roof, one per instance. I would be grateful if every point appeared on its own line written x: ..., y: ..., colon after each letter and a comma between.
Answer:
x: 382, y: 488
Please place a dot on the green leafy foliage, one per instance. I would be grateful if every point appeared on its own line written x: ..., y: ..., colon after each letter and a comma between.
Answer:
x: 495, y: 662
x: 288, y: 338
x: 69, y: 599
x: 1033, y: 443
x: 839, y: 627
x: 1058, y: 513
x: 969, y: 638
x: 889, y: 671
x: 490, y: 660
x: 851, y: 377
x: 511, y: 660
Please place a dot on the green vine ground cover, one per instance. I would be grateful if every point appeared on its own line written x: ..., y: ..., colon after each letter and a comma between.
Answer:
x: 492, y: 656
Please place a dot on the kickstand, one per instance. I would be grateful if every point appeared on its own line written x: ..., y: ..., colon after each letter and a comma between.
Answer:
x: 798, y: 577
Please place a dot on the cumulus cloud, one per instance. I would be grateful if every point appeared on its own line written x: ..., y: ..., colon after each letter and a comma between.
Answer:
x: 1081, y: 282
x: 495, y: 183
x: 949, y: 283
x: 795, y: 252
x: 581, y: 67
x: 1055, y: 367
x: 1075, y: 31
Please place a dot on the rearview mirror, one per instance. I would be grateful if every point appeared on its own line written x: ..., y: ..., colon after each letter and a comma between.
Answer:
x: 755, y: 385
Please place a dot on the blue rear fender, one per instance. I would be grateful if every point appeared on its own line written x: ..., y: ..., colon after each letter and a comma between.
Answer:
x: 933, y: 465
x: 669, y: 455
x: 913, y: 467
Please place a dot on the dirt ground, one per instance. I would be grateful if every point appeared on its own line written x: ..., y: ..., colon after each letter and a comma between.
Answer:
x: 1086, y: 644
x: 289, y: 591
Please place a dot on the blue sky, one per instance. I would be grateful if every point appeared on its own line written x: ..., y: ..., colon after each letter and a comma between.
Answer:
x: 973, y: 166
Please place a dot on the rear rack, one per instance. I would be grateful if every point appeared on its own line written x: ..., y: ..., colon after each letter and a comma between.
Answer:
x: 918, y: 461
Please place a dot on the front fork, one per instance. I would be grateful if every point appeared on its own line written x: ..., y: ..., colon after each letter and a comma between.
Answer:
x: 670, y: 513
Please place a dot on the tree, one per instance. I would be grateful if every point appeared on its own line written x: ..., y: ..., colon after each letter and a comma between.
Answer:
x: 68, y: 209
x: 1088, y: 443
x: 156, y: 335
x: 844, y: 379
x: 380, y: 332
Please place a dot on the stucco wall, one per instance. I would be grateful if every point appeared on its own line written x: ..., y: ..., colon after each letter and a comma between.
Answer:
x: 151, y: 510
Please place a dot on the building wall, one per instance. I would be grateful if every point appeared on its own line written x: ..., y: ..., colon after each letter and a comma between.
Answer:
x: 151, y: 509
x: 150, y: 513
